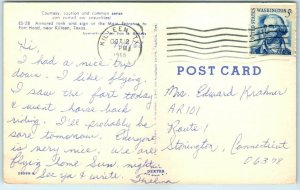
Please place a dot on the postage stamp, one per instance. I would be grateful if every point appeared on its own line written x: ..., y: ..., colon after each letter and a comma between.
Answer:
x: 272, y: 30
x: 119, y: 44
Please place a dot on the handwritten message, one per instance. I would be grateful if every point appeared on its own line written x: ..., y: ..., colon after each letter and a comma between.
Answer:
x: 93, y: 97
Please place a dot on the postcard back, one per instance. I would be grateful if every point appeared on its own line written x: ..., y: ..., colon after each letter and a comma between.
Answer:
x: 150, y: 93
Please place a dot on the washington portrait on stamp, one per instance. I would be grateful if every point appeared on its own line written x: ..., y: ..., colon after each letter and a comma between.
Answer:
x: 271, y: 31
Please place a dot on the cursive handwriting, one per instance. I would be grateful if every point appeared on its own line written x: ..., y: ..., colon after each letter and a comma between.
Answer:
x: 238, y: 145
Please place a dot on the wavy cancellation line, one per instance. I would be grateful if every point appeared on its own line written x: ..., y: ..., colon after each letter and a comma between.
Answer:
x: 212, y: 52
x: 215, y: 35
x: 204, y: 48
x: 208, y: 36
x: 192, y: 45
x: 207, y: 30
x: 185, y: 42
x: 207, y: 53
x: 209, y: 42
x: 214, y: 29
x: 252, y: 61
x: 179, y: 28
x: 211, y: 58
x: 226, y: 37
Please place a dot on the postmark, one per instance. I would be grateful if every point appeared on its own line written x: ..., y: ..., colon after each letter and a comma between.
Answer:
x: 272, y: 30
x: 120, y: 45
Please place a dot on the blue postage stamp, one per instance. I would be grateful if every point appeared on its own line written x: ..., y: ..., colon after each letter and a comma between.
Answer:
x: 271, y: 30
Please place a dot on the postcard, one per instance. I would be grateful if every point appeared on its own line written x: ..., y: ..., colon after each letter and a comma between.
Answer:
x: 149, y: 93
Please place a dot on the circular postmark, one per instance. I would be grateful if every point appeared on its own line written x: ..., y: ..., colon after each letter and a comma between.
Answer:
x: 119, y: 45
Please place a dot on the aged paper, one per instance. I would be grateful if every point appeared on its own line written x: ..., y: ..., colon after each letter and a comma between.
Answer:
x: 150, y: 93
